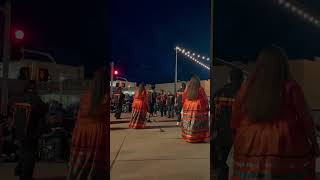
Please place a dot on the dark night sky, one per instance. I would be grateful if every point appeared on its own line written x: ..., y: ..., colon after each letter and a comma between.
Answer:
x: 143, y: 33
x: 74, y: 32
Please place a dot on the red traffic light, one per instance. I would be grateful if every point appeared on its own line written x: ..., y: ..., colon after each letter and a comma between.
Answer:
x: 116, y: 72
x: 19, y: 34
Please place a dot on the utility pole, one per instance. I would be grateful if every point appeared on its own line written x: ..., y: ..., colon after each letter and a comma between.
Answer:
x: 111, y: 79
x: 6, y: 56
x: 176, y: 72
x: 212, y: 77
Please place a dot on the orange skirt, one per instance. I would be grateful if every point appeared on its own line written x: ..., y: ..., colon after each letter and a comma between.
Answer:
x: 195, y: 122
x: 138, y: 119
x: 89, y: 153
x: 273, y: 168
x: 277, y: 150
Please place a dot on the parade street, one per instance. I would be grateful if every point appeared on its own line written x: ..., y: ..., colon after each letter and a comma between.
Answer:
x: 156, y: 153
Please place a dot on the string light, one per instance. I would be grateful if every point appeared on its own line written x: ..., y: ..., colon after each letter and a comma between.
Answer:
x: 295, y: 9
x: 193, y: 58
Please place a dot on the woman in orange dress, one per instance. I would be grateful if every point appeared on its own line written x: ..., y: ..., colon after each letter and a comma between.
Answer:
x: 139, y: 108
x: 274, y: 130
x: 90, y: 141
x: 195, y: 120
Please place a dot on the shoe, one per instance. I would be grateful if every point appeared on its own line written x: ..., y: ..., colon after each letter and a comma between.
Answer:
x: 178, y: 123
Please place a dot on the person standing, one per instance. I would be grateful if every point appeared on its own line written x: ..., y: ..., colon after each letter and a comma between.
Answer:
x: 170, y: 105
x: 195, y: 120
x: 119, y: 100
x: 29, y: 113
x: 90, y: 141
x: 274, y: 129
x: 152, y: 100
x: 222, y: 143
x: 179, y: 102
x: 162, y: 103
x: 139, y: 108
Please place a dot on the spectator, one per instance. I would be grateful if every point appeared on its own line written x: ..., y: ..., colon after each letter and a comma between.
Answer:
x: 222, y: 142
x: 179, y: 102
x: 29, y: 114
x: 162, y: 103
x: 57, y: 136
x: 152, y: 100
x: 170, y: 105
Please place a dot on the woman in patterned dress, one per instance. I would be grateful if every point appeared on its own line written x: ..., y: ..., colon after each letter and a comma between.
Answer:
x: 90, y: 141
x: 195, y: 120
x: 139, y: 108
x: 274, y: 131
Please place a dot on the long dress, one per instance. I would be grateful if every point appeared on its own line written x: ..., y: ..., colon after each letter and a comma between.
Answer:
x: 275, y: 149
x: 139, y: 110
x: 90, y: 150
x: 195, y: 119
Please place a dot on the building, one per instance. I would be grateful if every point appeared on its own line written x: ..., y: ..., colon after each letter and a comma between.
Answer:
x: 44, y: 70
x: 59, y: 82
x: 305, y: 72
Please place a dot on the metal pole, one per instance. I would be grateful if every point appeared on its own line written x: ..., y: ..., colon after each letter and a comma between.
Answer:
x: 213, y: 59
x: 111, y: 79
x: 176, y: 73
x: 61, y: 87
x: 6, y: 57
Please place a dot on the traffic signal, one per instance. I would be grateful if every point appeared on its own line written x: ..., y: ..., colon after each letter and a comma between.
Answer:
x: 116, y: 72
x: 19, y: 34
x: 17, y: 45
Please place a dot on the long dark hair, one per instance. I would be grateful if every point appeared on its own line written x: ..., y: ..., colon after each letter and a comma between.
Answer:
x: 264, y: 92
x: 193, y: 88
x: 98, y: 90
x: 141, y: 88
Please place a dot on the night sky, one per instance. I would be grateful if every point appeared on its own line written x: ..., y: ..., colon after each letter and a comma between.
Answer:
x: 142, y: 34
x: 74, y: 32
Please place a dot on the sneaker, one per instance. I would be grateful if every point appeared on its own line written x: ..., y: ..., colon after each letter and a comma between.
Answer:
x: 178, y: 123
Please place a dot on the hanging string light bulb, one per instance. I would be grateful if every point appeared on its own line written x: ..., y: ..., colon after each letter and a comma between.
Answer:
x: 193, y: 57
x: 299, y: 11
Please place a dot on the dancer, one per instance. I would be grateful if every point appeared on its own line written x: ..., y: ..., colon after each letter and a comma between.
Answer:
x: 274, y: 130
x: 195, y: 120
x: 139, y: 108
x: 89, y: 151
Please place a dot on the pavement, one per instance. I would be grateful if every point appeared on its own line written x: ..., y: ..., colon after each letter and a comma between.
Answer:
x: 149, y: 153
x: 156, y: 153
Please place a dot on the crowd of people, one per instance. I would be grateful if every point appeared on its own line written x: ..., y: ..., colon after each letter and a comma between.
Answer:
x: 189, y: 107
x: 262, y: 128
x: 34, y: 130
